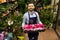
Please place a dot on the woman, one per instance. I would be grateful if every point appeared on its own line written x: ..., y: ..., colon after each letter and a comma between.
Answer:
x: 31, y: 17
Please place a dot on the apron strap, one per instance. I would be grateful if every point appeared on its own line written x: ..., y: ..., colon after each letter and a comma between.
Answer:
x: 29, y: 14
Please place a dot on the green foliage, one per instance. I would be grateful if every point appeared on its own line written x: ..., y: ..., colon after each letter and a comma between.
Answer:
x: 3, y: 23
x: 21, y: 5
x: 2, y: 8
x: 17, y: 22
x: 47, y: 2
x: 46, y: 17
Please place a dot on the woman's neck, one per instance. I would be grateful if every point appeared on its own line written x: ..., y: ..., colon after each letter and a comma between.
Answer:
x: 31, y: 12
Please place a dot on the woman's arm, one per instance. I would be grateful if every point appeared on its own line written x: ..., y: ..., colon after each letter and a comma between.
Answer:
x: 24, y: 20
x: 38, y: 19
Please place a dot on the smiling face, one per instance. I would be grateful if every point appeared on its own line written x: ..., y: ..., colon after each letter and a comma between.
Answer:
x: 31, y: 7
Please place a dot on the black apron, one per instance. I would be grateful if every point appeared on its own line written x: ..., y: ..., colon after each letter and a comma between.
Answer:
x: 33, y: 20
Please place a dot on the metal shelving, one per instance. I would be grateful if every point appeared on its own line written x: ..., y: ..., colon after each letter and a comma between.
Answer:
x: 56, y: 22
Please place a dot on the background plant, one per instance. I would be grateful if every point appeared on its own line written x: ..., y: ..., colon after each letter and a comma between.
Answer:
x: 46, y: 17
x: 21, y: 7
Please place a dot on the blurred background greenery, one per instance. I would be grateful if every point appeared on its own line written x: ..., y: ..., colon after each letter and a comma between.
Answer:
x: 14, y: 10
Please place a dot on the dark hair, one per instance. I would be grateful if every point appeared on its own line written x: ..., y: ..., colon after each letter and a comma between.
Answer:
x: 30, y: 3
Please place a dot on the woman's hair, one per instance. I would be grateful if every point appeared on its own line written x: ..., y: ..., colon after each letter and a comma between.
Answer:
x: 30, y: 3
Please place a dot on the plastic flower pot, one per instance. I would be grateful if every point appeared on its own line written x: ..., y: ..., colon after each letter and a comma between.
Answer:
x: 20, y: 37
x: 34, y: 27
x: 2, y: 36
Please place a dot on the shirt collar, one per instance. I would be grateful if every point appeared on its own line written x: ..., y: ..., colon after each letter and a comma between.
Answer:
x: 31, y: 12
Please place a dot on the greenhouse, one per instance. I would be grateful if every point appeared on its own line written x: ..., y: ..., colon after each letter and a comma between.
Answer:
x: 12, y: 17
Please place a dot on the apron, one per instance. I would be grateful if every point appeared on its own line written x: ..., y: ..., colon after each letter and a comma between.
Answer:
x: 32, y: 20
x: 34, y: 34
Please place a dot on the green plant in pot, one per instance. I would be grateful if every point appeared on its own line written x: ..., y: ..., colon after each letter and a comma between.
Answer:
x: 46, y: 17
